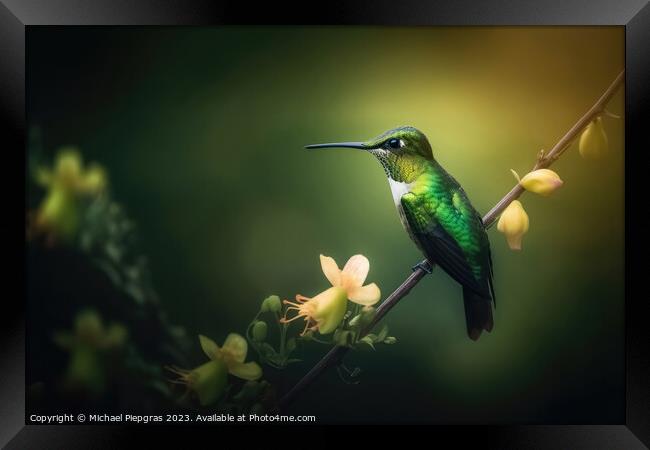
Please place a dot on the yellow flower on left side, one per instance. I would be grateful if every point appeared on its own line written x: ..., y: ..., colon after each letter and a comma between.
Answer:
x: 325, y: 311
x: 209, y: 380
x: 88, y: 344
x: 66, y: 184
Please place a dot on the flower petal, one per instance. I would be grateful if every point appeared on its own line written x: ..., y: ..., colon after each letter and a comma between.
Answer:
x: 355, y: 271
x: 541, y: 181
x: 236, y: 346
x: 331, y: 270
x: 365, y: 295
x: 246, y: 371
x: 331, y: 305
x: 209, y: 381
x: 210, y: 348
x: 514, y: 224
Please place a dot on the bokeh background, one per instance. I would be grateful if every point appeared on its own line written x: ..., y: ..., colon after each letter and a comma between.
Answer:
x: 202, y: 132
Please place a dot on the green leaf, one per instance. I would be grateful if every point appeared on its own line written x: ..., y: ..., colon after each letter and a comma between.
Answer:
x: 368, y: 315
x: 343, y: 337
x: 355, y: 321
x: 383, y: 333
x: 390, y: 340
x: 372, y: 337
x: 267, y: 350
x: 368, y: 340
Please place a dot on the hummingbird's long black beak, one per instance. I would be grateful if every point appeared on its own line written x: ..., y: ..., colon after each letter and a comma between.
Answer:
x: 358, y: 145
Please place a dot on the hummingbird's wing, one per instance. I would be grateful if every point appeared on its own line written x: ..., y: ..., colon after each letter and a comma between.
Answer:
x: 428, y: 227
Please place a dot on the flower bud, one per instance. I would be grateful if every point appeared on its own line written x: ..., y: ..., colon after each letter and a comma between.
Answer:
x: 271, y: 304
x: 541, y: 181
x: 514, y: 224
x: 259, y: 331
x: 593, y: 141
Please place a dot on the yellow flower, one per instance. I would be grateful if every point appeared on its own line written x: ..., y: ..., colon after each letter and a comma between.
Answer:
x: 89, y: 330
x: 233, y: 353
x: 351, y: 279
x: 541, y: 181
x: 514, y: 224
x: 593, y: 141
x: 70, y: 175
x: 209, y: 380
x: 66, y: 183
x: 88, y: 344
x: 326, y: 310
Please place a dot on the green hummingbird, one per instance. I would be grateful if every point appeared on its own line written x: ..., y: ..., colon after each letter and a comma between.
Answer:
x: 438, y: 216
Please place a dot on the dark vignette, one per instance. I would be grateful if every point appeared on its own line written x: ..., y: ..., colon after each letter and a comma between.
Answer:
x: 12, y: 44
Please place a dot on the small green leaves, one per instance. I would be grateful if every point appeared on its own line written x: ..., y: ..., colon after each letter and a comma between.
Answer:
x: 259, y: 338
x: 383, y: 333
x: 355, y: 320
x: 371, y: 339
x: 344, y: 338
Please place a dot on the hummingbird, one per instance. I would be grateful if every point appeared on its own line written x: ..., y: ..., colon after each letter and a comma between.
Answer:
x: 438, y: 216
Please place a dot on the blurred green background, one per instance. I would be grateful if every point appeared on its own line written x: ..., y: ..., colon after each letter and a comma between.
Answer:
x: 202, y: 132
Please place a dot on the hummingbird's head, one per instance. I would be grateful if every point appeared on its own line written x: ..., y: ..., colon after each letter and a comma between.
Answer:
x: 399, y: 150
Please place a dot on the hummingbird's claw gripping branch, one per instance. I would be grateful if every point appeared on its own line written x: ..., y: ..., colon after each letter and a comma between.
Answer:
x: 335, y: 355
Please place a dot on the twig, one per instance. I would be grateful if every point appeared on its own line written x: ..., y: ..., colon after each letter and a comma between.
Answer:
x: 335, y: 355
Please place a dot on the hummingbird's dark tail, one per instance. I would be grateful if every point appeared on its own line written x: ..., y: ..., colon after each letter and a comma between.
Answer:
x: 478, y: 313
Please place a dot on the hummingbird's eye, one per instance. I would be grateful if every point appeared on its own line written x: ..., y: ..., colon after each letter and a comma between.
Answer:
x: 395, y: 143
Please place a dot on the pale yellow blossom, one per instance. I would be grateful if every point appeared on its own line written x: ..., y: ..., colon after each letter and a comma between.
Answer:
x: 514, y: 224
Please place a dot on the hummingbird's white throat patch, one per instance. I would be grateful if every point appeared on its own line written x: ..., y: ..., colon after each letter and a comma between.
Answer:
x: 399, y: 188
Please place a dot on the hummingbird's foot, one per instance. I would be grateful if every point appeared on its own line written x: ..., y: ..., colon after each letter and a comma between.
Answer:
x: 424, y: 265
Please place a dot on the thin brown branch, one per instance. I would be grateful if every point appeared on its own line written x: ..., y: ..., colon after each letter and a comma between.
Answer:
x: 335, y: 355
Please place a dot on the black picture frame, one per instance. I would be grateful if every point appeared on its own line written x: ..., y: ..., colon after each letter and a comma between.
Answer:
x: 16, y: 18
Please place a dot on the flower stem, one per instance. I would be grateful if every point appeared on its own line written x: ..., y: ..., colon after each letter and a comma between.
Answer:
x: 334, y: 356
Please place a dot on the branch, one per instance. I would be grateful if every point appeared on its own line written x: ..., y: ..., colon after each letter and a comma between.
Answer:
x: 335, y: 355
